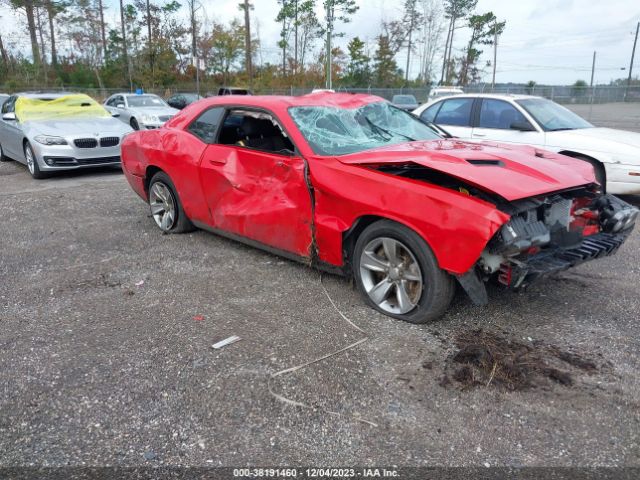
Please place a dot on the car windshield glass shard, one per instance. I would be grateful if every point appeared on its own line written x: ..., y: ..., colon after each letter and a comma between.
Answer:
x: 551, y: 116
x: 145, y: 101
x: 68, y: 106
x: 340, y: 131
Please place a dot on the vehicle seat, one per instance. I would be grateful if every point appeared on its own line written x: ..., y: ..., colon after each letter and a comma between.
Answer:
x: 262, y: 135
x: 507, y: 117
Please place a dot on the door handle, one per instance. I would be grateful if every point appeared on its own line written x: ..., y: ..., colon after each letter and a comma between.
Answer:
x: 478, y: 135
x: 281, y: 164
x: 215, y: 161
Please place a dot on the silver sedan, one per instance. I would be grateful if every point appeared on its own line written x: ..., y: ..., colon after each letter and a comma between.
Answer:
x: 140, y: 111
x: 50, y: 132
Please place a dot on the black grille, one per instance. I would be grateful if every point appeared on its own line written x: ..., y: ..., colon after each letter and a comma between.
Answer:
x: 165, y: 118
x: 97, y: 161
x: 109, y: 141
x: 86, y: 142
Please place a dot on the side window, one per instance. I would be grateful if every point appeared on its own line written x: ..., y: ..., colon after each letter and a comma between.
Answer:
x: 430, y: 113
x: 111, y: 102
x: 9, y: 105
x: 499, y: 114
x: 206, y: 125
x: 456, y: 111
x: 255, y: 130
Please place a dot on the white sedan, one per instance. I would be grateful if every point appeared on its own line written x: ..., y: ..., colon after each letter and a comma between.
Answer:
x: 614, y: 154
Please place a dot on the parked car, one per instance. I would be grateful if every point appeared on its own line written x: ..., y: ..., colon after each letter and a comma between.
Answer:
x: 59, y: 131
x: 181, y: 100
x: 141, y: 111
x: 231, y: 91
x: 352, y: 184
x: 405, y: 102
x: 524, y: 119
x: 440, y: 92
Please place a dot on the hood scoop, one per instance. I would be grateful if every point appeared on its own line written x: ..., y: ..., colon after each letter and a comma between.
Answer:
x: 486, y: 162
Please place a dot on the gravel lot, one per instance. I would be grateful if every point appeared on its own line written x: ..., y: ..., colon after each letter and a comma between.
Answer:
x: 99, y: 368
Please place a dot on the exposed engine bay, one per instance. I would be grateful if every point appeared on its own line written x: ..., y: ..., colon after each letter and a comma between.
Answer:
x: 545, y: 234
x: 555, y: 232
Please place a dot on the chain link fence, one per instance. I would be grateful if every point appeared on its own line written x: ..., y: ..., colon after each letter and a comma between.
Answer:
x: 565, y: 94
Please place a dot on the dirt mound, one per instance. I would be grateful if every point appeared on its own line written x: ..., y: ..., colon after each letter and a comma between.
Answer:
x: 489, y: 359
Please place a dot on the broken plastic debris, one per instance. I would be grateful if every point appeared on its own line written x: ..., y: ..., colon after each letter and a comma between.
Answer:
x: 140, y: 283
x: 226, y: 341
x: 198, y: 318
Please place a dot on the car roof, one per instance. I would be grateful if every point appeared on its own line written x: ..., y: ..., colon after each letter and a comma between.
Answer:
x: 498, y: 96
x: 45, y: 95
x: 278, y: 102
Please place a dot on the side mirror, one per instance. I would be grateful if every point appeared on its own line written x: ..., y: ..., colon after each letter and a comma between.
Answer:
x: 9, y: 117
x: 522, y: 127
x: 120, y: 105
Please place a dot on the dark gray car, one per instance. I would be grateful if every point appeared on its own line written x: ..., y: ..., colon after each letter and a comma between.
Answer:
x: 405, y: 102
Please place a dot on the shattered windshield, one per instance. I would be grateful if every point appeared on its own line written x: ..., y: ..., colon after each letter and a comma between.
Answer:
x: 340, y: 131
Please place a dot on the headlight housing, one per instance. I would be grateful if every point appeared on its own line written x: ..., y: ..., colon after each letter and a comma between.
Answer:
x: 149, y: 119
x: 50, y: 140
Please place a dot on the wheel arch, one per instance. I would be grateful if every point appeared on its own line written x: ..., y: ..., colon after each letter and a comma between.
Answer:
x: 150, y: 171
x: 589, y: 158
x: 350, y: 236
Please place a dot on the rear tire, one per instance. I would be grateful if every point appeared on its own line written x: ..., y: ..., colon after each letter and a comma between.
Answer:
x: 165, y: 205
x: 32, y: 163
x: 392, y: 262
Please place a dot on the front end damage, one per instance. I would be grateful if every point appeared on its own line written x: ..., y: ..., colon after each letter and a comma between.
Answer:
x: 549, y: 234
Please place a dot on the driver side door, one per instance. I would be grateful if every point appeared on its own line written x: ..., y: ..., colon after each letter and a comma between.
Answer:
x: 257, y: 193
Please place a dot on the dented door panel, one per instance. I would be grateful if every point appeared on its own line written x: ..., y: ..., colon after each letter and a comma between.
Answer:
x: 258, y: 195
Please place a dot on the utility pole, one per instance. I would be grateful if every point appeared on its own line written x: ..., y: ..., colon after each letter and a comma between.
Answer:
x: 495, y: 53
x: 329, y: 34
x: 593, y: 70
x: 633, y: 53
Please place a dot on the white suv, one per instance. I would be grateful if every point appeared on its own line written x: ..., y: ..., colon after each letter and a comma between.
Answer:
x: 524, y: 119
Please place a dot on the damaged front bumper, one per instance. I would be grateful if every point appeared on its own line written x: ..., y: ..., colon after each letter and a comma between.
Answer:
x: 518, y: 274
x: 550, y: 235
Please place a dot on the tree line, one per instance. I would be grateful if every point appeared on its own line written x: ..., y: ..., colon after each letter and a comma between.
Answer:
x: 154, y: 44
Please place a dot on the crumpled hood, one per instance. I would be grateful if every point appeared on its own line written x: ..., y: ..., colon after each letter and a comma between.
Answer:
x: 78, y: 126
x: 609, y: 140
x: 513, y: 172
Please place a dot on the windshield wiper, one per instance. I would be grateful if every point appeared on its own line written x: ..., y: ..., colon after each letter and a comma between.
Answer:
x: 388, y: 132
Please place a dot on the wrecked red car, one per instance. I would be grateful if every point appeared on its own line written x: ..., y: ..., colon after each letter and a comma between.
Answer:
x: 349, y: 183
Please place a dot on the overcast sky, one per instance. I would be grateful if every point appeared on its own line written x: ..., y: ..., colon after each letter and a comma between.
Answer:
x: 550, y: 41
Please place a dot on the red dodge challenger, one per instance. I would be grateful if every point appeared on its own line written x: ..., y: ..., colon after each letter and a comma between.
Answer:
x: 351, y: 184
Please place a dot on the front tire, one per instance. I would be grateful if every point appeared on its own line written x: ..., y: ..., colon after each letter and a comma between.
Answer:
x: 32, y: 163
x: 398, y: 275
x: 3, y: 158
x: 166, y: 208
x: 134, y: 124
